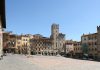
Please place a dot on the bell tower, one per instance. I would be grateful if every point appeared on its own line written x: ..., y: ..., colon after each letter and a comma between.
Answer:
x: 55, y: 34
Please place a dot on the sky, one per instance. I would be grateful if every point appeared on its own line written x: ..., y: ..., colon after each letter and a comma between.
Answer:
x: 74, y: 17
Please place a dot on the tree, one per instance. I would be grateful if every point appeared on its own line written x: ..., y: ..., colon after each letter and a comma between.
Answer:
x: 85, y: 48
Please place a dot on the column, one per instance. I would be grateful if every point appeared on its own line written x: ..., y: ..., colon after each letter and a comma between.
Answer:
x: 1, y: 41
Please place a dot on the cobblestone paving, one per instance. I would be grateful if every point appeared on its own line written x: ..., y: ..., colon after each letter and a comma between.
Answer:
x: 21, y: 62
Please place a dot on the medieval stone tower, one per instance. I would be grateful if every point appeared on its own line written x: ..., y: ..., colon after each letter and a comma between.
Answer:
x: 58, y: 39
x: 98, y: 41
x: 55, y: 34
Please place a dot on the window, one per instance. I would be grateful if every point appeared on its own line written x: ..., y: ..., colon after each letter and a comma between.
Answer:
x: 84, y: 38
x: 89, y: 49
x: 95, y: 49
x: 60, y: 44
x: 89, y: 44
x: 23, y: 39
x: 18, y: 42
x: 74, y: 48
x: 56, y: 44
x: 95, y: 43
x: 26, y: 39
x: 95, y: 37
x: 92, y: 49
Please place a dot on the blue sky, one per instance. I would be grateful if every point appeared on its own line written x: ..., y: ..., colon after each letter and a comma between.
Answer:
x: 75, y: 17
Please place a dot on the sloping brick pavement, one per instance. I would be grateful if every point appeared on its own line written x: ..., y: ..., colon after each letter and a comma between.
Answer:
x: 21, y: 62
x: 16, y: 62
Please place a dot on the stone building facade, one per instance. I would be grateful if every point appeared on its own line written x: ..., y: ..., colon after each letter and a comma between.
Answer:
x: 89, y: 44
x: 73, y: 48
x: 6, y: 38
x: 78, y: 49
x: 57, y: 38
x: 49, y: 46
x: 23, y: 44
x: 1, y: 38
x: 35, y: 44
x: 41, y: 46
x: 69, y: 47
x: 2, y: 23
x: 9, y: 42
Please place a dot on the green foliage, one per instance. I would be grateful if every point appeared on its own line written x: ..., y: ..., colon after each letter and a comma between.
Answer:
x: 85, y: 48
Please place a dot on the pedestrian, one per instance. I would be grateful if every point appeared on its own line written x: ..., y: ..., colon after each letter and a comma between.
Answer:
x: 1, y: 57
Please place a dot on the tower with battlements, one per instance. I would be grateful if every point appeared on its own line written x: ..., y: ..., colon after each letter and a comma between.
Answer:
x: 98, y: 41
x: 55, y: 34
x: 57, y: 38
